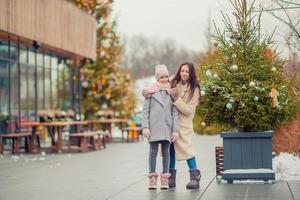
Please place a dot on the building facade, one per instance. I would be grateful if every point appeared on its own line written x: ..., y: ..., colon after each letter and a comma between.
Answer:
x: 43, y: 45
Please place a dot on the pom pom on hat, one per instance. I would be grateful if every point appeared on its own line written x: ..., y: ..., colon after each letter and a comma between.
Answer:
x: 161, y: 70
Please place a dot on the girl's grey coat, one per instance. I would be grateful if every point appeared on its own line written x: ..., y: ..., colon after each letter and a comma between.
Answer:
x: 160, y: 116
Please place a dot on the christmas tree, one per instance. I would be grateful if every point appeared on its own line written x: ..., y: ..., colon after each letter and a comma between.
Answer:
x: 107, y: 88
x: 245, y: 88
x: 208, y: 58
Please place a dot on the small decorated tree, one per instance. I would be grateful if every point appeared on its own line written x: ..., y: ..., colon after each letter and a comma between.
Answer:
x: 246, y: 89
x: 246, y: 92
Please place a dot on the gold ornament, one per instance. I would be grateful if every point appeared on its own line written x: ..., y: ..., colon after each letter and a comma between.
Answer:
x: 273, y: 94
x: 252, y: 84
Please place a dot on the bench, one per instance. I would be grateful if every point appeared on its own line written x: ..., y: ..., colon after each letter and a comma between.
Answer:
x: 93, y: 139
x: 133, y: 133
x: 16, y: 141
x: 219, y: 160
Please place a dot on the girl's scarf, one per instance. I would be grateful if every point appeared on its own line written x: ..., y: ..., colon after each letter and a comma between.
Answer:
x: 164, y: 86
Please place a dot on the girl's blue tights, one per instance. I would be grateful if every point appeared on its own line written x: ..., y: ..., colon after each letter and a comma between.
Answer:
x: 191, y: 162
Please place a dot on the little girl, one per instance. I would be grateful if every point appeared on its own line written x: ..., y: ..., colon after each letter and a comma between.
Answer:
x: 160, y: 126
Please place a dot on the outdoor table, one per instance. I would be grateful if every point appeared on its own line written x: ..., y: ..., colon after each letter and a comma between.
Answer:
x: 107, y: 122
x: 58, y: 125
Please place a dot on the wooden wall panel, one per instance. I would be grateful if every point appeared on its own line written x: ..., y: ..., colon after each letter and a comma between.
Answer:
x: 3, y: 19
x: 57, y: 23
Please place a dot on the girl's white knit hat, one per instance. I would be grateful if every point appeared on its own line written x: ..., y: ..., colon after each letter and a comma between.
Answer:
x: 161, y: 70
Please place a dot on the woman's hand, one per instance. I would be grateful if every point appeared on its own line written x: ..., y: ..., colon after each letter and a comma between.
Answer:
x: 146, y: 94
x: 146, y: 133
x: 174, y: 92
x: 174, y: 136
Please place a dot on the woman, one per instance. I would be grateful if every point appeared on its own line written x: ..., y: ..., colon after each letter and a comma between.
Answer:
x: 186, y: 94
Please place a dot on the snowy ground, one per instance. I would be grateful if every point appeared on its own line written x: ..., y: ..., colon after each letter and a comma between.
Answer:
x: 287, y: 167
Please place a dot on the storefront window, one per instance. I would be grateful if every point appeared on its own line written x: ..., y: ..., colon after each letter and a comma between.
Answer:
x: 3, y: 89
x: 52, y: 76
x: 47, y: 61
x: 24, y: 90
x: 47, y: 65
x: 60, y: 87
x: 31, y: 92
x: 65, y: 87
x: 39, y: 58
x: 40, y: 80
x: 31, y: 57
x: 14, y: 91
x: 54, y: 81
x: 47, y: 88
x: 3, y: 49
x: 4, y: 113
x: 68, y: 102
x: 13, y: 51
x: 40, y: 88
x: 23, y: 54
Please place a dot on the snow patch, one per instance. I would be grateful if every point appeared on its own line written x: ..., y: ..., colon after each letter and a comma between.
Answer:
x: 15, y: 158
x: 287, y: 167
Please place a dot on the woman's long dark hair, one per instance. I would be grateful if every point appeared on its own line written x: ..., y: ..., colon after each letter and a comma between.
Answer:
x: 193, y: 82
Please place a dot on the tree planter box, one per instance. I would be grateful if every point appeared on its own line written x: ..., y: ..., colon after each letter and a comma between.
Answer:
x: 247, y: 155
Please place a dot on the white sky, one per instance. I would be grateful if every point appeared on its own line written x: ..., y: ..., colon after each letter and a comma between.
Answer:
x: 184, y: 21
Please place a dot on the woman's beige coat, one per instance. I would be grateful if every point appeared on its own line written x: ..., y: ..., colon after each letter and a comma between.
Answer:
x: 184, y: 149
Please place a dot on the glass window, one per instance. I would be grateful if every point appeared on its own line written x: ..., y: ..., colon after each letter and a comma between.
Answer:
x: 47, y: 89
x: 13, y: 51
x: 40, y: 80
x: 54, y: 81
x: 40, y: 87
x: 54, y: 63
x: 23, y: 54
x: 24, y: 90
x: 3, y: 89
x: 31, y: 57
x: 47, y: 60
x: 63, y: 86
x: 60, y: 86
x: 3, y: 49
x: 65, y: 89
x: 14, y: 92
x: 31, y: 92
x: 61, y: 64
x: 39, y: 58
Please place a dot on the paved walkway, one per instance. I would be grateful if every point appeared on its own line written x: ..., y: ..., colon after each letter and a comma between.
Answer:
x: 120, y: 172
